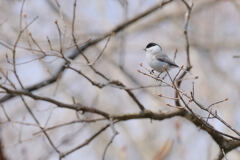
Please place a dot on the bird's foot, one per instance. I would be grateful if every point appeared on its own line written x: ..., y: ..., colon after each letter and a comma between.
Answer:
x: 152, y: 71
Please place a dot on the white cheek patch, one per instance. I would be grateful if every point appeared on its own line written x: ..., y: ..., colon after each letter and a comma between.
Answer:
x: 155, y: 49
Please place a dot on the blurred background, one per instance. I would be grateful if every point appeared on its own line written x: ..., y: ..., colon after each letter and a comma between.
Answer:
x: 214, y: 51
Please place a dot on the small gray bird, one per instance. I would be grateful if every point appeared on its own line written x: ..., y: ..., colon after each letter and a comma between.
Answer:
x: 157, y: 60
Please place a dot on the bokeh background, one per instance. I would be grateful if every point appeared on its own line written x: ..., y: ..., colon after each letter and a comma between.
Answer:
x: 214, y: 51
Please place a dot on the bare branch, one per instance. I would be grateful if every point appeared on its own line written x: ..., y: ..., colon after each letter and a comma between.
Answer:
x: 90, y: 43
x: 90, y: 139
x: 115, y: 133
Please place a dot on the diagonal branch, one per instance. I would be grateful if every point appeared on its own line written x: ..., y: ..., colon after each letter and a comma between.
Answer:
x: 77, y: 107
x: 88, y: 44
x: 187, y: 46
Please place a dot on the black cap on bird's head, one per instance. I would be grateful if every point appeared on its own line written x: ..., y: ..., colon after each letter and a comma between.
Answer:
x: 151, y: 44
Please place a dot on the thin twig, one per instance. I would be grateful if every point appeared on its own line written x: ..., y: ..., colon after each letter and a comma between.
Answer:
x: 5, y: 113
x: 101, y: 53
x: 215, y: 115
x: 90, y: 139
x: 38, y: 46
x: 21, y: 15
x: 215, y: 103
x: 72, y: 122
x: 187, y: 47
x: 115, y: 133
x: 14, y: 50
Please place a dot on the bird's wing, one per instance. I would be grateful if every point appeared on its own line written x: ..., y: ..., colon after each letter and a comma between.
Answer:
x: 166, y: 59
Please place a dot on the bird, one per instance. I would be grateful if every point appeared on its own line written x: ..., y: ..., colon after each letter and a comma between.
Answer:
x: 157, y: 59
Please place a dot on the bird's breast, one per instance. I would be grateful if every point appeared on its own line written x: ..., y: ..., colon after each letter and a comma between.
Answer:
x: 155, y: 63
x: 149, y: 58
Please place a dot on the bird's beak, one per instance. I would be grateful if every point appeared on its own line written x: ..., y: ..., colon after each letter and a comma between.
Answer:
x: 144, y: 49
